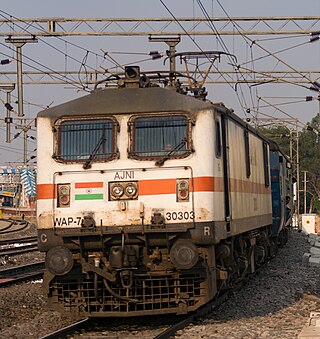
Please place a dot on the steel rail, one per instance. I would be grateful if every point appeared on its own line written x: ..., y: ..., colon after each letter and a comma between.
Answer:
x: 17, y: 274
x: 65, y: 331
x: 29, y: 247
x: 7, y: 230
x: 18, y: 241
x: 207, y: 308
x: 7, y: 227
x: 170, y: 331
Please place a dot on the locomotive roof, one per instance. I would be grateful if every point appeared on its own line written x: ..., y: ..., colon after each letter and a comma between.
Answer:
x: 136, y: 100
x: 126, y: 100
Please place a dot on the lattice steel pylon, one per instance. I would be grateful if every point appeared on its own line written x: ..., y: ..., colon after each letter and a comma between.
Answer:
x: 45, y: 27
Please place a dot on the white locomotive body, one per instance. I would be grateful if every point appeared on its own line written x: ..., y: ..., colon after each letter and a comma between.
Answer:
x: 149, y: 201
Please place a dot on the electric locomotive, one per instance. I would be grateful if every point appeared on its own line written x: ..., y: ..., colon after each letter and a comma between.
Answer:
x: 149, y: 201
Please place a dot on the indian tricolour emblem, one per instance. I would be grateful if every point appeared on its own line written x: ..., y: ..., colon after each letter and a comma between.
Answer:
x: 88, y: 191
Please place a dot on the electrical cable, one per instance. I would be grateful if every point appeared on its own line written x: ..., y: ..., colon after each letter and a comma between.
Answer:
x: 56, y: 75
x: 218, y: 36
x: 261, y: 47
x: 198, y: 46
x: 277, y: 52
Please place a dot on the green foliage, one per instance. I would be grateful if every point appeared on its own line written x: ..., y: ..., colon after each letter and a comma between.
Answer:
x: 279, y: 134
x: 309, y: 142
x: 309, y: 154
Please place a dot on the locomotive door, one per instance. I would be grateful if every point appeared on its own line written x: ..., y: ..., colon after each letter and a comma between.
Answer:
x: 225, y: 158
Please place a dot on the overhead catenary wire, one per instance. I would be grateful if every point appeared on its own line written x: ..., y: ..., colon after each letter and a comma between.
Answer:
x: 43, y: 40
x: 276, y: 57
x: 276, y: 52
x: 111, y: 52
x: 24, y: 101
x: 291, y: 121
x: 283, y: 103
x: 254, y: 42
x: 282, y: 111
x: 275, y: 78
x: 240, y: 75
x: 198, y: 46
x: 56, y: 75
x: 261, y: 47
x: 104, y: 56
x: 55, y: 48
x: 281, y: 38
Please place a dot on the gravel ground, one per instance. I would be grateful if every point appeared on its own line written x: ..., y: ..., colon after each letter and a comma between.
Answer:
x: 23, y: 310
x: 274, y: 304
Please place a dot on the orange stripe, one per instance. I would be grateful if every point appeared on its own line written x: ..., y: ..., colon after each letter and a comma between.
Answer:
x: 88, y: 184
x: 157, y: 186
x: 168, y: 186
x: 241, y: 186
x: 46, y: 191
x: 203, y: 184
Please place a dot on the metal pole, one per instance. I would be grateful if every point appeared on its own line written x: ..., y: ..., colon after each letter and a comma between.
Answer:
x: 19, y: 80
x: 8, y: 120
x: 305, y: 191
x: 291, y: 146
x: 172, y: 42
x: 19, y: 42
x: 25, y: 143
x: 298, y: 179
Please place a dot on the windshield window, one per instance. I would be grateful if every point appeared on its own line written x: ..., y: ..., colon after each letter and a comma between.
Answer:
x: 158, y: 136
x: 80, y: 140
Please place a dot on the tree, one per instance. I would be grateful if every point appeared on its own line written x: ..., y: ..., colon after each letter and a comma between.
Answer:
x: 279, y: 134
x: 309, y: 142
x: 309, y: 155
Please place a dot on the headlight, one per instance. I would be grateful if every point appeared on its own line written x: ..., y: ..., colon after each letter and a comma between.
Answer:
x: 184, y: 254
x: 123, y: 190
x: 59, y: 260
x: 117, y: 191
x: 131, y: 190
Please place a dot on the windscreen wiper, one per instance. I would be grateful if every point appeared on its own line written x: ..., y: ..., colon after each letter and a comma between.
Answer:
x: 87, y: 164
x: 176, y: 148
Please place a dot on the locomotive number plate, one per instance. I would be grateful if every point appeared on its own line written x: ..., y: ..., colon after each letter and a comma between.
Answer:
x: 67, y: 221
x: 180, y: 215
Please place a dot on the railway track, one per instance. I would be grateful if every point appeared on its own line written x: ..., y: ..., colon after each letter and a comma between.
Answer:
x: 68, y: 330
x: 17, y: 274
x: 157, y: 327
x: 18, y: 246
x: 20, y: 240
x: 12, y: 225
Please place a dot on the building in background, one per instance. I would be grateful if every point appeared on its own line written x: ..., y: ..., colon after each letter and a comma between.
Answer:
x: 18, y: 192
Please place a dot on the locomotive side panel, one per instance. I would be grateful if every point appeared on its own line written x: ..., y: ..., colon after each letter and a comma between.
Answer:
x: 249, y: 180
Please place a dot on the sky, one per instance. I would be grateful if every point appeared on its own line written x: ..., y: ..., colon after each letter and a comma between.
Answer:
x: 274, y: 100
